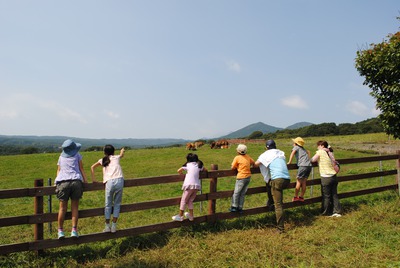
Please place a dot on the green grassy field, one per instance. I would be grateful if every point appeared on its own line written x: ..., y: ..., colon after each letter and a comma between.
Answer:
x: 367, y: 235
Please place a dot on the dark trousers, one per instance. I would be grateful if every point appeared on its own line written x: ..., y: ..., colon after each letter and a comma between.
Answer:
x: 330, y: 198
x: 270, y: 201
x: 275, y: 190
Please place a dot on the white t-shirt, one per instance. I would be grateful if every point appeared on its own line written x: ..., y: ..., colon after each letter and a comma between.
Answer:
x: 192, y: 178
x: 113, y: 170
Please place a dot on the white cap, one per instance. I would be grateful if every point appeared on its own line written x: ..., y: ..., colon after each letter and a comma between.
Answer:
x: 241, y: 149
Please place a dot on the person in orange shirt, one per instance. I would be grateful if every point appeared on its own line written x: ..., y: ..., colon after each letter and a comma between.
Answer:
x: 242, y: 163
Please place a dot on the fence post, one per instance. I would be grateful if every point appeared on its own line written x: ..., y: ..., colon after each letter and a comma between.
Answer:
x: 398, y: 171
x: 380, y: 168
x: 38, y: 209
x: 312, y: 178
x: 49, y: 206
x: 212, y: 202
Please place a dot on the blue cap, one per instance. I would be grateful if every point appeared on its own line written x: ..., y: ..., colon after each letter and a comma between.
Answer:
x: 270, y: 144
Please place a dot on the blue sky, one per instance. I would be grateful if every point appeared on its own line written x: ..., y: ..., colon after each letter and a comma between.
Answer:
x: 183, y: 69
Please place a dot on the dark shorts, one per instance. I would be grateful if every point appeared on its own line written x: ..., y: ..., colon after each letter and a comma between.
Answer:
x: 303, y: 172
x: 69, y: 189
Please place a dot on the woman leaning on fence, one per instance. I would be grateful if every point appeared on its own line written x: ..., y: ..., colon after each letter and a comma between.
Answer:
x: 329, y: 183
x: 113, y: 179
x: 70, y: 176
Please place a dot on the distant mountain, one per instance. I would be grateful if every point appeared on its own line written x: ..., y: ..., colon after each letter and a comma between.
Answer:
x: 264, y: 128
x: 299, y: 125
x: 56, y: 141
x: 246, y: 131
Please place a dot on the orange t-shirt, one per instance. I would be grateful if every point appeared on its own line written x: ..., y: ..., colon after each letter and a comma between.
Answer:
x: 242, y: 163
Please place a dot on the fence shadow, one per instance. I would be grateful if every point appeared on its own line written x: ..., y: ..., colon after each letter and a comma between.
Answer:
x: 299, y: 216
x: 111, y: 248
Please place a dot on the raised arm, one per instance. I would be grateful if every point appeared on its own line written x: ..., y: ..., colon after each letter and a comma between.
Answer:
x: 122, y: 152
x: 92, y: 170
x: 180, y: 170
x: 315, y: 158
x: 291, y: 156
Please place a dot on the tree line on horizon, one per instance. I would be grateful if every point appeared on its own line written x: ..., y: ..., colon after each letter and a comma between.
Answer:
x: 373, y: 125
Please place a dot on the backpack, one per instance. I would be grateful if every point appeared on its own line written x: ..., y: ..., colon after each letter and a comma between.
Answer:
x: 335, y: 164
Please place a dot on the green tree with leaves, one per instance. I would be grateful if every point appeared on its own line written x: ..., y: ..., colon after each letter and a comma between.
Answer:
x: 255, y: 135
x: 380, y: 66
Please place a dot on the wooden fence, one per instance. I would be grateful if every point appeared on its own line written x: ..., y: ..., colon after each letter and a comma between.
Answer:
x: 40, y: 191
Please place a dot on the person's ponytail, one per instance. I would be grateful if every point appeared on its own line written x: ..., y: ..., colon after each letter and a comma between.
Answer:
x: 106, y: 161
x: 108, y: 150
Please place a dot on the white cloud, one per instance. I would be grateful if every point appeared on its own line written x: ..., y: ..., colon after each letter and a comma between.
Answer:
x: 6, y: 114
x: 233, y: 66
x: 60, y: 110
x: 375, y: 112
x: 358, y: 108
x: 30, y: 107
x: 112, y: 114
x: 295, y: 102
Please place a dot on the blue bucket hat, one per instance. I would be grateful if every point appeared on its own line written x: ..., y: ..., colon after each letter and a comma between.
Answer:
x: 70, y: 148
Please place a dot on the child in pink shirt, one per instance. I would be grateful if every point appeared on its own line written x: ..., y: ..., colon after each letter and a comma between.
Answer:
x: 190, y: 187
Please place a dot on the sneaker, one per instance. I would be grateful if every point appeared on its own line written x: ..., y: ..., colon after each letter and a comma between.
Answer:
x: 177, y: 218
x: 74, y: 233
x: 61, y: 235
x: 240, y: 210
x: 233, y: 209
x: 187, y: 216
x: 107, y: 229
x: 113, y: 228
x: 301, y: 199
x: 295, y: 199
x: 337, y: 215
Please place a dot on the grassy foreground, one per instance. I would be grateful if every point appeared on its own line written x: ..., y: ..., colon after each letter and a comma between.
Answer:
x: 366, y: 236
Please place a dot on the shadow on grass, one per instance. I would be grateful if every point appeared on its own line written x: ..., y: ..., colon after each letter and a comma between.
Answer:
x: 82, y: 254
x: 110, y: 248
x: 355, y: 203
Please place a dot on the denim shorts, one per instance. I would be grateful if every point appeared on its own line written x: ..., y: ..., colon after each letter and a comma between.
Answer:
x: 304, y: 172
x: 69, y: 189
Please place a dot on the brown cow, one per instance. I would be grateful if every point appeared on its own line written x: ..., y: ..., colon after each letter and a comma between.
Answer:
x: 190, y: 146
x: 220, y: 144
x: 194, y: 145
x: 198, y: 144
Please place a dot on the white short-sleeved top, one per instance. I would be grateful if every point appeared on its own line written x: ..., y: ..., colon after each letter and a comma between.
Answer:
x: 113, y: 170
x: 192, y: 178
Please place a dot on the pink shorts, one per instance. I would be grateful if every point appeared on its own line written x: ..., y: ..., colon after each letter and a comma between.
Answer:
x: 188, y: 197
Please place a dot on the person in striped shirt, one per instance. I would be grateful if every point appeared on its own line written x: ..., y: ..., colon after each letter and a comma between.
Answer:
x: 329, y: 183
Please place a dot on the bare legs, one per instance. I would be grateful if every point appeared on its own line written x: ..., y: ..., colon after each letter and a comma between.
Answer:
x: 63, y: 210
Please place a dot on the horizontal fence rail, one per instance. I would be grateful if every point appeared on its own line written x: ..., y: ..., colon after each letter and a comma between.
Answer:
x: 212, y: 175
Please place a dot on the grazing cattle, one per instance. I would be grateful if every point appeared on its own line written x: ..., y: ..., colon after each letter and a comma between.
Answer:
x: 194, y: 145
x: 198, y: 144
x: 221, y: 144
x: 190, y: 146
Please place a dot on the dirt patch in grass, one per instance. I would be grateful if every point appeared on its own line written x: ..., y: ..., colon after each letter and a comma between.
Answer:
x: 382, y: 148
